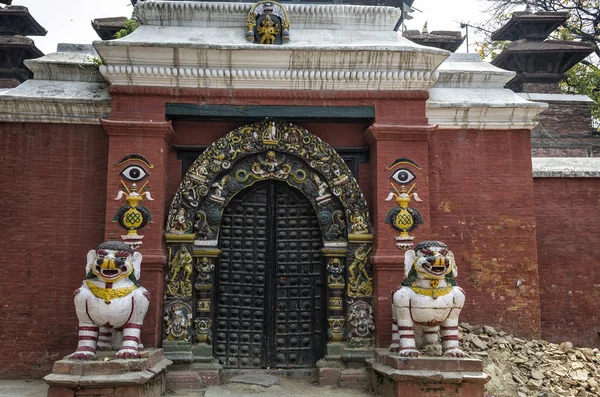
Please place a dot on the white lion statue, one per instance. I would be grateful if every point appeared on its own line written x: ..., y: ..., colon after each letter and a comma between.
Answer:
x: 428, y: 302
x: 110, y: 303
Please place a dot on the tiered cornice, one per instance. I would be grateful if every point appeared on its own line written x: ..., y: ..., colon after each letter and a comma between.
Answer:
x: 331, y: 47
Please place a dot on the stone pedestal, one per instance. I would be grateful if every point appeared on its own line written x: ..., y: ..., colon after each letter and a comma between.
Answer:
x: 143, y: 377
x: 395, y: 376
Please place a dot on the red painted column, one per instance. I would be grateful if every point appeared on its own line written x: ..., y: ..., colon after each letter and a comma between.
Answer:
x: 151, y: 140
x: 389, y: 142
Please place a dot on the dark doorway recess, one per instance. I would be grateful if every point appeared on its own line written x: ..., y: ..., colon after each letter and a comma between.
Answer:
x: 270, y: 305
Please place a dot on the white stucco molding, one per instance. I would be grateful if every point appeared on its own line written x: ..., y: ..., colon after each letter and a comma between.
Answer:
x: 70, y: 62
x: 234, y: 15
x: 470, y: 94
x: 566, y: 167
x: 53, y: 101
x: 331, y: 47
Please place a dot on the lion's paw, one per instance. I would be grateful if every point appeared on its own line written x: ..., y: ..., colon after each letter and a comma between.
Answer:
x: 409, y: 353
x: 394, y: 348
x: 125, y: 354
x: 82, y: 356
x: 455, y: 352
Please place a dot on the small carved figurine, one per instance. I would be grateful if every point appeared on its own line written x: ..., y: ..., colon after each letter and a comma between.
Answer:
x: 428, y: 301
x: 110, y: 303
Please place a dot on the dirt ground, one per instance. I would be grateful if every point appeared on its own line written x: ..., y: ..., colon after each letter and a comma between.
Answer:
x: 285, y: 388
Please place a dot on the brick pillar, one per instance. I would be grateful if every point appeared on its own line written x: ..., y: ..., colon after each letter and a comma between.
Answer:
x: 151, y: 140
x: 389, y: 142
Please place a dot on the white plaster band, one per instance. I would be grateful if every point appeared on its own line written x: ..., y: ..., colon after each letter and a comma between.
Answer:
x: 250, y: 78
x: 303, y: 16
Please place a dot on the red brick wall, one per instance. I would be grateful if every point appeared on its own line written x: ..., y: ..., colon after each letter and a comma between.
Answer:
x: 52, y: 203
x: 567, y: 212
x: 481, y: 198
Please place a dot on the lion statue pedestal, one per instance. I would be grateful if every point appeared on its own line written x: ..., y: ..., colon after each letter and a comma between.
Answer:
x: 425, y: 309
x: 110, y: 306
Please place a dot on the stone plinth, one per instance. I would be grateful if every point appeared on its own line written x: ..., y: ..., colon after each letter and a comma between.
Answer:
x: 144, y: 377
x: 395, y: 376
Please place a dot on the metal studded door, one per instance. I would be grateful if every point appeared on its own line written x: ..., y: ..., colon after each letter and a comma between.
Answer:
x: 270, y: 303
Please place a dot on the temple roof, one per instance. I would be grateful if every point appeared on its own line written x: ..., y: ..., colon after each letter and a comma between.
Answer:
x: 444, y: 39
x: 532, y: 26
x: 16, y: 20
x: 107, y: 27
x: 561, y: 54
x: 16, y: 49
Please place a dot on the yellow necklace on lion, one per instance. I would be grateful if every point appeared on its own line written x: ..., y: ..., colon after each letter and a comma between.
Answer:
x: 108, y: 294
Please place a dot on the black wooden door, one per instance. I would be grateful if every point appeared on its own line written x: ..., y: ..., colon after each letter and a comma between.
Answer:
x: 270, y: 284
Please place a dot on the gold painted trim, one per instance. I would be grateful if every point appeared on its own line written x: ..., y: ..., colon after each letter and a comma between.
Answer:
x: 362, y: 238
x: 432, y: 292
x: 210, y: 252
x: 339, y: 252
x: 180, y: 238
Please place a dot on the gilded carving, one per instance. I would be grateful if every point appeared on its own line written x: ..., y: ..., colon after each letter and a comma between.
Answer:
x: 280, y: 151
x: 360, y: 320
x: 267, y: 23
x: 133, y: 216
x: 178, y: 319
x: 403, y: 218
x: 336, y: 329
x: 359, y: 280
x: 335, y: 279
x: 204, y: 274
x: 178, y: 278
x: 202, y: 327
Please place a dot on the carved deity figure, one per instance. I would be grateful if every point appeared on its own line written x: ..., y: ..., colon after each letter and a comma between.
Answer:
x: 359, y: 225
x: 180, y: 274
x: 359, y: 281
x: 110, y: 303
x: 428, y: 303
x: 267, y: 30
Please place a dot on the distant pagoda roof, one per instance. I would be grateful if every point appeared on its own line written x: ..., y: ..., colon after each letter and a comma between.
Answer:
x: 16, y: 20
x: 444, y: 39
x: 531, y: 26
x: 562, y: 55
x: 540, y: 63
x: 17, y: 49
x: 107, y: 27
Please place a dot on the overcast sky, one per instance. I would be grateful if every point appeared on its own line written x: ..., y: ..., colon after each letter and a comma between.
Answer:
x: 68, y: 21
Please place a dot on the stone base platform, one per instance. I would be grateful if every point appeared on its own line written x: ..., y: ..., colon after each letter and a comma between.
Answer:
x: 107, y: 377
x: 395, y: 376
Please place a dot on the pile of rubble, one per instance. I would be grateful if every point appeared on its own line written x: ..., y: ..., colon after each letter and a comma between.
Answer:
x: 524, y: 368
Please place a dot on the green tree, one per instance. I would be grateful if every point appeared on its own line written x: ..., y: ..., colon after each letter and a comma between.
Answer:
x: 583, y: 25
x: 130, y: 26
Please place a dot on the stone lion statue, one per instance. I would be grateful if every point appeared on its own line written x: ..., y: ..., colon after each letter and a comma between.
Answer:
x: 110, y: 303
x: 428, y: 302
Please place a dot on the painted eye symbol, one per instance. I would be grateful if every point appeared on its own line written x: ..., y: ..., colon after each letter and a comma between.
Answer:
x: 134, y: 173
x: 402, y: 176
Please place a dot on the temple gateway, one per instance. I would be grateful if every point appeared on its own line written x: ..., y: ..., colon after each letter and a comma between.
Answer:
x: 273, y: 162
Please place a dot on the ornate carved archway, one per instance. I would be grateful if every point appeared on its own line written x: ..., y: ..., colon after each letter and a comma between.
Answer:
x: 267, y: 150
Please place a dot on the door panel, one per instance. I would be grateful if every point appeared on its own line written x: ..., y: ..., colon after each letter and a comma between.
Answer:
x: 270, y: 297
